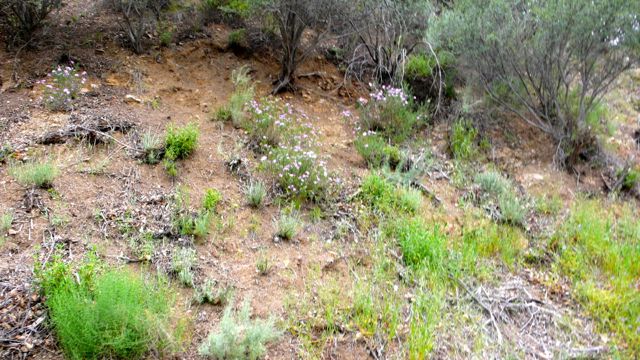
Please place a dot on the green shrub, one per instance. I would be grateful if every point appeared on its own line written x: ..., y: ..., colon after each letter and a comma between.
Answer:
x: 5, y: 222
x: 181, y: 142
x: 255, y: 194
x: 182, y: 264
x: 34, y: 174
x: 462, y: 141
x: 419, y: 65
x: 549, y: 204
x: 170, y: 167
x: 239, y: 337
x: 108, y: 313
x: 492, y: 182
x: 504, y: 46
x: 389, y: 112
x: 376, y: 152
x: 287, y: 226
x: 212, y: 198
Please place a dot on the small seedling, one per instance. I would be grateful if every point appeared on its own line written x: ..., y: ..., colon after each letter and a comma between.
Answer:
x: 211, y: 200
x: 263, y: 265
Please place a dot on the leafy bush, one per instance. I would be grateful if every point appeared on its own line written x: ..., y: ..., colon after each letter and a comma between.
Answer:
x: 237, y: 39
x: 507, y: 45
x: 212, y: 198
x: 24, y: 17
x: 183, y: 262
x: 462, y: 141
x: 107, y: 313
x: 239, y: 337
x: 181, y: 142
x: 61, y: 87
x: 390, y: 113
x: 287, y: 226
x: 255, y: 194
x: 34, y: 174
x: 376, y: 152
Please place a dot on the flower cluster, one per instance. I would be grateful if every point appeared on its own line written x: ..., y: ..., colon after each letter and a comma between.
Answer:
x: 289, y: 141
x: 388, y: 112
x: 276, y: 123
x: 62, y: 86
x: 389, y: 92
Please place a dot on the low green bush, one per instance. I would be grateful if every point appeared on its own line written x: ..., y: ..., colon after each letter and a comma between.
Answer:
x: 181, y: 142
x: 390, y: 113
x: 239, y: 337
x: 34, y: 174
x: 376, y: 152
x: 212, y: 198
x: 237, y: 38
x: 97, y: 312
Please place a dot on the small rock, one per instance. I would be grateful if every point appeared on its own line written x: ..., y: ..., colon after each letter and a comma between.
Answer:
x: 130, y: 98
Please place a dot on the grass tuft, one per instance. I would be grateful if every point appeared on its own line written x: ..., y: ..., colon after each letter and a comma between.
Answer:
x: 35, y: 174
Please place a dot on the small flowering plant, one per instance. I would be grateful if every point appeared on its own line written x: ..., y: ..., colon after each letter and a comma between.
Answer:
x: 275, y: 123
x: 62, y: 86
x: 388, y: 112
x: 289, y: 144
